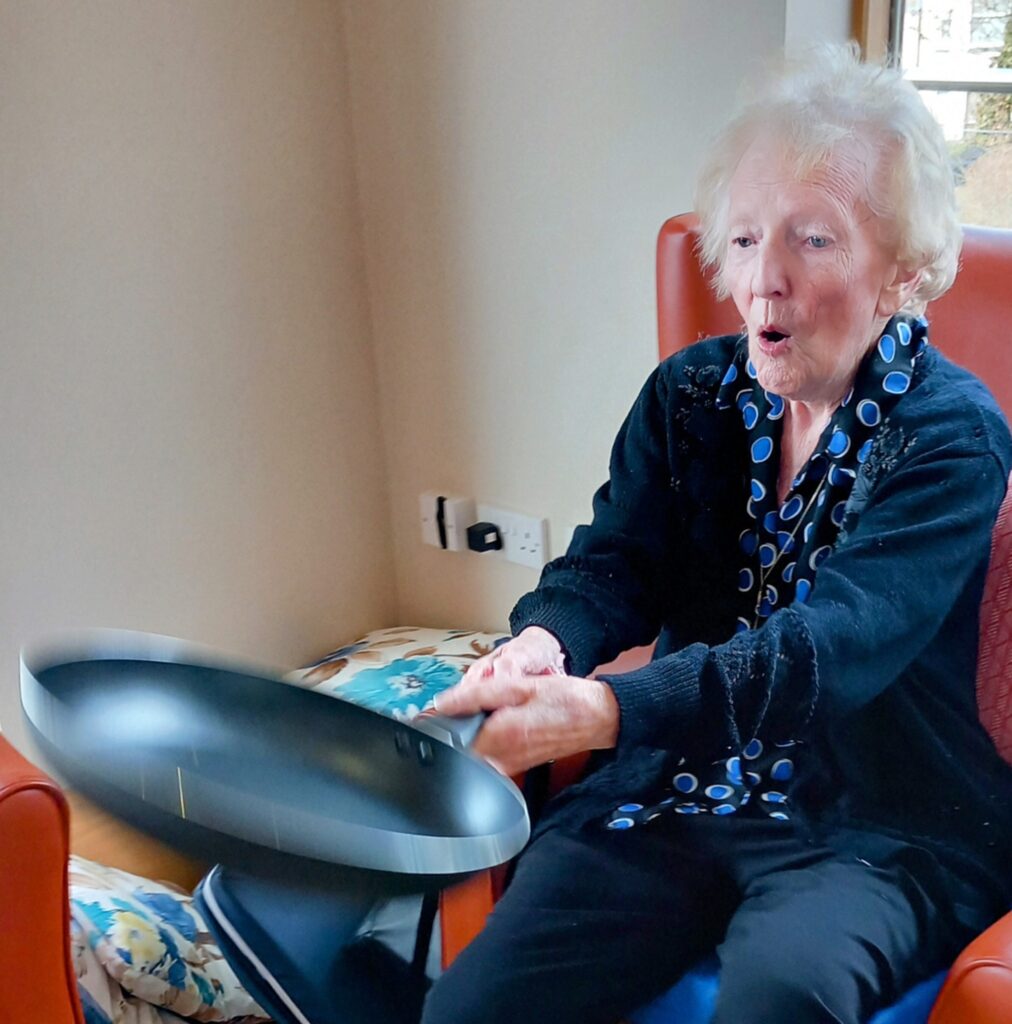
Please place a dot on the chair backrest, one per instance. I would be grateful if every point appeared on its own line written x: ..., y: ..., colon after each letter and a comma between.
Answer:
x: 994, y: 660
x: 970, y: 325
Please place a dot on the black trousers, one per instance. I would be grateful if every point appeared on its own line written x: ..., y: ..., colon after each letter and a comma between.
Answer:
x: 597, y: 923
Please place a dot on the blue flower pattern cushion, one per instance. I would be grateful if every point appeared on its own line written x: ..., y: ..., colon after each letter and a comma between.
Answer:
x: 397, y: 671
x: 155, y: 950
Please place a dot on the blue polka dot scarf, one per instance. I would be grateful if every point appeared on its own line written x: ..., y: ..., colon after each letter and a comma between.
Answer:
x: 783, y: 545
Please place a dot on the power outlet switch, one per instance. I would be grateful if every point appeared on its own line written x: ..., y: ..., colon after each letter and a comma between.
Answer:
x: 524, y: 538
x: 457, y: 515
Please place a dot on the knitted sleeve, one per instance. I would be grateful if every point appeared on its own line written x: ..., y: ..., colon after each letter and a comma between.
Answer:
x: 921, y: 532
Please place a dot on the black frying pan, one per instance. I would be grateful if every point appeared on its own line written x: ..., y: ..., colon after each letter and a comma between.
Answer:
x: 228, y: 760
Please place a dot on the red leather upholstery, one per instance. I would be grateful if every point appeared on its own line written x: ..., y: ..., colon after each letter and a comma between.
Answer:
x: 37, y: 984
x: 687, y: 308
x: 994, y: 667
x: 969, y: 323
x: 978, y: 989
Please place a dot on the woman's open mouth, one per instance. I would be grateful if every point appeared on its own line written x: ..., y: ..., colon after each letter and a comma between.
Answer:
x: 772, y: 340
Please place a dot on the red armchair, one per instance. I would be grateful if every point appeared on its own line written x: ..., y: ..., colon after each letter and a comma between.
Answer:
x: 36, y: 974
x: 969, y: 323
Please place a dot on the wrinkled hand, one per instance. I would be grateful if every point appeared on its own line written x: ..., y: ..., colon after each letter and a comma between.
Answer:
x: 534, y: 718
x: 531, y: 653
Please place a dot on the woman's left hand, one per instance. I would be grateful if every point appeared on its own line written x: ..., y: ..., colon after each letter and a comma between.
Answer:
x: 534, y: 719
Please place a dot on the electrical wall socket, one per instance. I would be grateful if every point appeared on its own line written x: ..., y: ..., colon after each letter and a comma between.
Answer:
x: 458, y: 515
x: 524, y: 538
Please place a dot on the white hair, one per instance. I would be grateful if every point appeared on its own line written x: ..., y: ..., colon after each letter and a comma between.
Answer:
x: 828, y: 97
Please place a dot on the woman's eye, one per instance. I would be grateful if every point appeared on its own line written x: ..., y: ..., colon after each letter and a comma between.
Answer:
x: 818, y: 241
x: 741, y: 241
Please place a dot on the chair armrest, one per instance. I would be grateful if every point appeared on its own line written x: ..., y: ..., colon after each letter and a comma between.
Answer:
x: 462, y: 911
x: 37, y: 981
x: 978, y: 989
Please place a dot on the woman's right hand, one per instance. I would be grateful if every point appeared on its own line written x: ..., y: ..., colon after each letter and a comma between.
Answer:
x: 533, y: 652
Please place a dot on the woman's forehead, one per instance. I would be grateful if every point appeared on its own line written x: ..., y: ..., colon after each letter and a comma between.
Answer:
x: 770, y: 175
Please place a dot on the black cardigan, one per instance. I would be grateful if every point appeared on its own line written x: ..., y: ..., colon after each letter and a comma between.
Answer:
x: 875, y: 674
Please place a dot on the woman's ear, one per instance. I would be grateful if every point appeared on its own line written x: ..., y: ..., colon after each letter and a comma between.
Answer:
x: 896, y: 293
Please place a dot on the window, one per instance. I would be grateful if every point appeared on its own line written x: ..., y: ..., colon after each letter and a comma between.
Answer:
x: 959, y: 54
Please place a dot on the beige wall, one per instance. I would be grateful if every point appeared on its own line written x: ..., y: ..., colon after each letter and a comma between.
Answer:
x: 188, y: 433
x: 210, y: 235
x: 808, y: 21
x: 516, y: 161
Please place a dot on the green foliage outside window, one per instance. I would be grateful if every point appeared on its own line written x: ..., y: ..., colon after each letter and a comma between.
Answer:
x: 994, y: 110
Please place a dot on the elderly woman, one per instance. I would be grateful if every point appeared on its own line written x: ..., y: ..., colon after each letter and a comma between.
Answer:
x: 802, y: 513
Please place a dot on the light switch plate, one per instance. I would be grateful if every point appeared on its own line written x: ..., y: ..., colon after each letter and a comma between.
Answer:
x: 524, y: 538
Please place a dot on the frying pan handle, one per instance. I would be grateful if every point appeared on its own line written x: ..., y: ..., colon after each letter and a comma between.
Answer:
x: 458, y: 732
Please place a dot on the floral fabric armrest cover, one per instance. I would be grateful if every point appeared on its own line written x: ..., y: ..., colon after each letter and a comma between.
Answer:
x: 397, y: 671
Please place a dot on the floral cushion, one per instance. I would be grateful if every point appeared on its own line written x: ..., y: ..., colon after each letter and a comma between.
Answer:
x: 102, y: 999
x: 151, y: 940
x: 397, y: 671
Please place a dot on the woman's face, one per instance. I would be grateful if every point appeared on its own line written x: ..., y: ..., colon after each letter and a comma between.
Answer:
x: 808, y: 270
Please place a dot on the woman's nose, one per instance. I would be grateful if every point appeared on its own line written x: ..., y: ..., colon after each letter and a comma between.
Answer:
x: 771, y: 276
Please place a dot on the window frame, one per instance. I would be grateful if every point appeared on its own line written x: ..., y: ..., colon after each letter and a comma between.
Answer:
x: 874, y: 25
x: 878, y: 26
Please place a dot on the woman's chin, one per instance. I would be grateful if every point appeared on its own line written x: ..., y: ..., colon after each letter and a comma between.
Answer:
x: 777, y: 379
